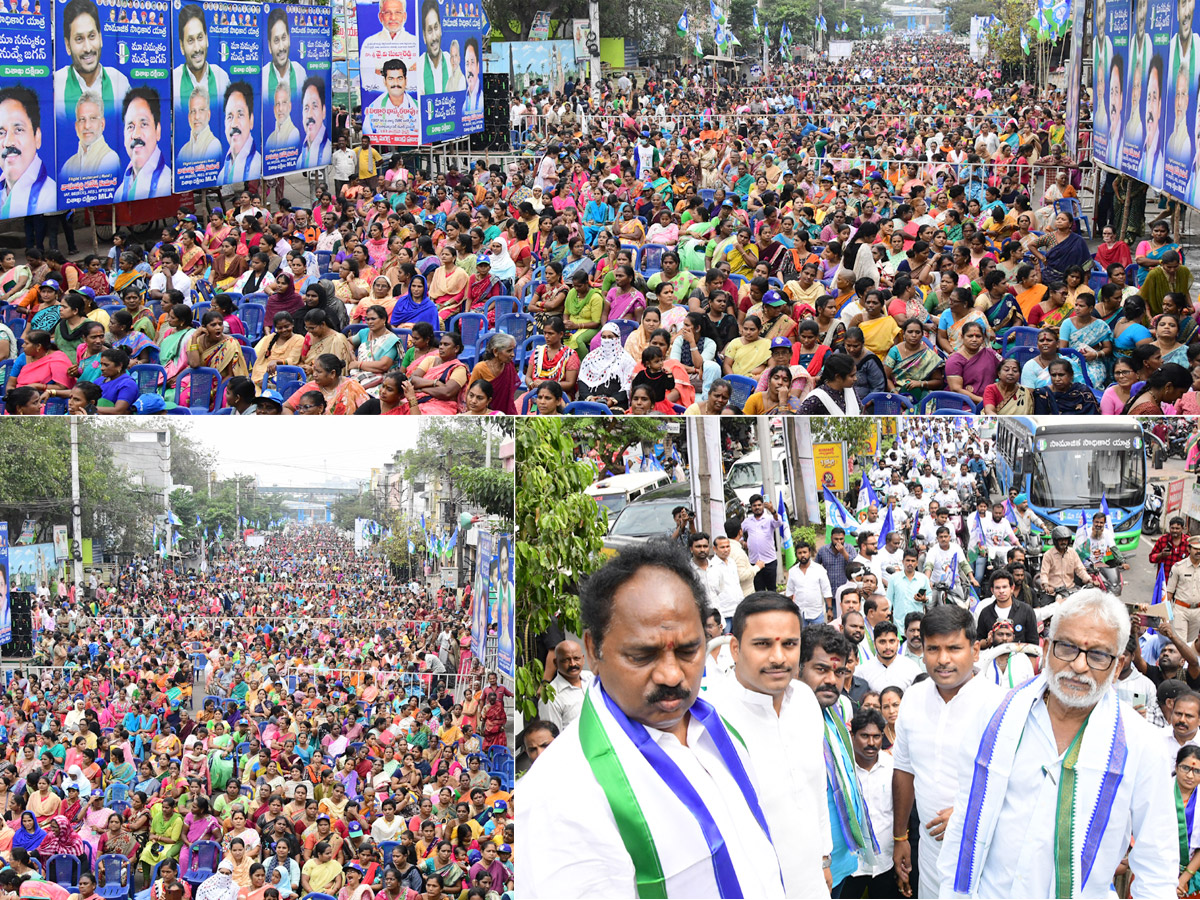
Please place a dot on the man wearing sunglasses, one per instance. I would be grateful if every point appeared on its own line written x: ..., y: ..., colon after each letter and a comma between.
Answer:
x: 1056, y: 781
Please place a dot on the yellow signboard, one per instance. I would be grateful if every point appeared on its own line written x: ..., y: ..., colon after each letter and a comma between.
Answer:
x: 829, y: 461
x: 889, y: 426
x: 873, y: 440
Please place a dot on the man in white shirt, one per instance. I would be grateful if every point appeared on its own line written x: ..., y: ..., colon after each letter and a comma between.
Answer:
x: 927, y: 738
x: 170, y: 276
x: 1185, y: 723
x: 711, y: 576
x: 874, y: 770
x: 780, y: 720
x: 889, y: 667
x: 738, y: 556
x: 569, y: 683
x: 891, y: 556
x: 808, y: 586
x: 345, y: 164
x: 731, y: 586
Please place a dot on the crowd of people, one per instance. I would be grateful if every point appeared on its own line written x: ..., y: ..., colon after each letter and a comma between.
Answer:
x: 884, y: 224
x: 876, y: 683
x: 293, y: 720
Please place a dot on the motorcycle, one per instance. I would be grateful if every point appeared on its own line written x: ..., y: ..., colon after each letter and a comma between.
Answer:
x: 1152, y: 517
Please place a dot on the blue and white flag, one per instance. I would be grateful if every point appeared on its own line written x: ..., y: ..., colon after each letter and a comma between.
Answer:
x: 836, y: 515
x: 682, y: 25
x: 887, y: 527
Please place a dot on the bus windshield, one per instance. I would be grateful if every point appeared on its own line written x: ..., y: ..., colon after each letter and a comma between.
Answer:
x: 1074, y: 477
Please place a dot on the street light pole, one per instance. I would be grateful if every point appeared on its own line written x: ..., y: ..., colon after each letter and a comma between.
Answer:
x: 76, y: 509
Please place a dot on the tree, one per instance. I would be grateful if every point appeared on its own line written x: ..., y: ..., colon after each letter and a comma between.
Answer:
x: 514, y: 18
x: 854, y: 432
x: 559, y: 539
x: 607, y: 437
x: 454, y: 450
x: 961, y: 13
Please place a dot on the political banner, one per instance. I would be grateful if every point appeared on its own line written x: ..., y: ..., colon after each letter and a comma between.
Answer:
x: 296, y: 103
x: 1075, y: 77
x: 112, y: 102
x: 215, y: 83
x: 1110, y: 51
x: 387, y: 56
x: 26, y: 112
x: 1149, y: 39
x: 30, y: 566
x: 506, y: 631
x: 580, y: 28
x: 345, y: 42
x: 1181, y: 157
x: 60, y: 542
x: 554, y: 62
x: 5, y: 599
x: 540, y: 29
x: 829, y: 461
x: 449, y: 70
x: 480, y: 597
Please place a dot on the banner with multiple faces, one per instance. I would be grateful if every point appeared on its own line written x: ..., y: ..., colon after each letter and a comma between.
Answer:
x: 296, y: 89
x: 1146, y: 86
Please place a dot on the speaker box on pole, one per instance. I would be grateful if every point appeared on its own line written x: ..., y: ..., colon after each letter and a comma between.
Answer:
x: 496, y: 109
x: 21, y: 645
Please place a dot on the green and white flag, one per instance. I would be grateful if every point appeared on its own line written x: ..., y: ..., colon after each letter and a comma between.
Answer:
x: 681, y: 27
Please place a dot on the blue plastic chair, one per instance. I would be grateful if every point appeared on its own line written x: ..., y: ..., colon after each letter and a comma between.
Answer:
x: 250, y: 356
x: 405, y: 335
x: 1070, y: 353
x: 203, y: 288
x: 586, y: 408
x: 1096, y: 280
x: 288, y: 380
x: 256, y: 297
x: 1021, y: 336
x: 205, y: 855
x: 150, y: 378
x: 6, y: 368
x: 469, y: 325
x: 886, y: 404
x: 519, y: 325
x: 627, y: 326
x: 254, y: 317
x: 503, y: 304
x: 1131, y: 272
x: 64, y: 870
x: 55, y: 406
x: 203, y: 381
x: 354, y: 328
x: 18, y: 328
x: 111, y: 870
x: 526, y: 402
x: 946, y: 400
x: 323, y: 258
x: 198, y: 311
x: 181, y: 411
x: 385, y: 851
x: 650, y: 259
x: 743, y: 386
x: 112, y: 299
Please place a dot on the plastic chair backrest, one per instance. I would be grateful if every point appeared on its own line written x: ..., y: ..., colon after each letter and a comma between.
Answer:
x: 254, y: 317
x: 743, y: 387
x: 55, y: 406
x: 650, y: 259
x: 627, y: 326
x: 469, y: 325
x: 886, y: 404
x: 288, y: 380
x: 586, y: 408
x: 526, y: 402
x: 1021, y: 336
x: 150, y: 378
x: 1021, y: 354
x: 202, y: 381
x: 250, y: 356
x: 503, y: 304
x: 519, y: 325
x: 199, y: 310
x: 64, y: 870
x: 946, y: 400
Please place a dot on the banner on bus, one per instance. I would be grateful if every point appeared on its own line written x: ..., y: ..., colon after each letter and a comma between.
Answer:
x: 218, y: 58
x: 295, y: 101
x: 26, y: 113
x: 112, y: 102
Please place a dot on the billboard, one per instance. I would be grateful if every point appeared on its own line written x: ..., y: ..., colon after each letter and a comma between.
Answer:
x: 1142, y: 139
x: 61, y: 550
x: 218, y: 57
x: 26, y: 112
x: 506, y: 607
x: 1110, y: 49
x: 30, y: 565
x: 450, y: 68
x: 5, y: 600
x: 112, y: 102
x: 1181, y: 124
x: 387, y: 59
x: 481, y: 596
x: 829, y: 461
x: 296, y: 109
x: 552, y: 61
x: 1074, y: 78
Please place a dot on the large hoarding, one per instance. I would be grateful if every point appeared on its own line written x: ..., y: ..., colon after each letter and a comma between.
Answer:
x: 296, y: 108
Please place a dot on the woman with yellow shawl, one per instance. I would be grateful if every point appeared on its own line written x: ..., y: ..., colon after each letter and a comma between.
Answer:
x: 282, y: 347
x: 127, y: 274
x: 448, y: 285
x: 192, y: 259
x: 879, y: 329
x: 629, y: 228
x: 749, y: 354
x: 212, y: 348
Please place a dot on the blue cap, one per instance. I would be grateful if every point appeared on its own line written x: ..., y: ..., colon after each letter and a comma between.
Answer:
x: 772, y: 298
x: 483, y: 260
x: 148, y: 404
x: 781, y: 342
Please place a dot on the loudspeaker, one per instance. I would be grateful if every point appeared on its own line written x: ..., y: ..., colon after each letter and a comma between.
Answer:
x: 21, y: 645
x: 496, y: 109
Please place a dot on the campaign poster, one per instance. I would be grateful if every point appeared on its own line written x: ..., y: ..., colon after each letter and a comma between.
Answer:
x: 26, y: 110
x: 1142, y: 155
x: 480, y: 596
x: 112, y: 101
x: 1075, y: 78
x: 5, y: 599
x: 449, y: 69
x: 215, y: 85
x: 554, y: 62
x: 1181, y: 157
x: 1110, y: 66
x: 1140, y: 52
x: 505, y: 630
x: 387, y: 58
x: 296, y: 107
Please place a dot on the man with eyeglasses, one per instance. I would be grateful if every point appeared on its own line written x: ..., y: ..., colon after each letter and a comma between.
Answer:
x: 1056, y: 780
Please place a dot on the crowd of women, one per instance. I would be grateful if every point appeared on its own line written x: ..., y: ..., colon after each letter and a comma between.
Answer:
x: 346, y: 742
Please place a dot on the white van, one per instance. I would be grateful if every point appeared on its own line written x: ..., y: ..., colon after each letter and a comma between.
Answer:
x: 617, y: 491
x: 745, y: 476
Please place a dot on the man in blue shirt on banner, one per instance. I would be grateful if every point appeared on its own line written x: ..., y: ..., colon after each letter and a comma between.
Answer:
x: 27, y: 189
x: 317, y: 151
x: 282, y: 68
x: 243, y: 162
x: 83, y: 41
x: 147, y: 174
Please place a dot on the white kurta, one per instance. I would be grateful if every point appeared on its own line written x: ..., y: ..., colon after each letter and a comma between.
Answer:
x: 928, y: 732
x: 788, y: 757
x: 1019, y: 861
x: 877, y: 792
x: 563, y: 807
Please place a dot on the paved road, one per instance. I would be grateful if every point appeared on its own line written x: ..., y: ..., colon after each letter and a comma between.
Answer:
x: 1139, y: 580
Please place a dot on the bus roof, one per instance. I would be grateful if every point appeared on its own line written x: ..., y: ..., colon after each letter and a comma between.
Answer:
x: 1066, y: 424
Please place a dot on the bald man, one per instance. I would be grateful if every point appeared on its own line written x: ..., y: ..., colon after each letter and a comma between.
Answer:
x: 569, y: 685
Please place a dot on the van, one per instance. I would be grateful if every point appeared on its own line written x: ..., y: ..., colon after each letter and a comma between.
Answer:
x: 746, y: 476
x: 618, y: 491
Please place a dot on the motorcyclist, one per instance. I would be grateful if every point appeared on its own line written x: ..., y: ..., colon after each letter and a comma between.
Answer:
x: 946, y: 566
x: 1097, y: 547
x: 1061, y: 565
x: 1027, y: 519
x: 947, y: 496
x: 928, y: 480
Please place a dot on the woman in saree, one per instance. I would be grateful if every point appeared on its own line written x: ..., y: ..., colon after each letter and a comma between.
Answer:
x: 629, y: 229
x: 72, y: 321
x: 116, y: 838
x: 1007, y: 396
x: 584, y: 311
x: 664, y: 231
x: 1117, y: 394
x: 554, y: 360
x: 381, y: 295
x: 128, y: 275
x: 482, y: 286
x: 1129, y: 332
x: 61, y: 838
x: 198, y: 825
x: 961, y: 312
x: 496, y: 367
x: 165, y: 839
x: 1092, y: 337
x: 1036, y: 371
x: 1177, y: 304
x: 879, y: 329
x: 1164, y: 386
x: 119, y: 390
x: 502, y: 266
x: 913, y: 367
x: 45, y: 366
x: 1060, y: 248
x: 212, y: 348
x: 548, y: 297
x: 342, y: 395
x: 442, y: 378
x: 1053, y: 309
x: 193, y: 261
x: 377, y: 349
x: 1187, y: 777
x: 228, y: 265
x: 257, y: 278
x: 281, y: 347
x: 177, y: 333
x: 216, y: 231
x: 448, y: 286
x: 971, y: 368
x: 14, y: 280
x: 1064, y: 396
x: 624, y: 300
x: 1149, y: 253
x: 1166, y: 330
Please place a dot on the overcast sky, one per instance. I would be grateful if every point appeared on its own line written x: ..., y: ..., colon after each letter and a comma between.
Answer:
x: 302, y: 450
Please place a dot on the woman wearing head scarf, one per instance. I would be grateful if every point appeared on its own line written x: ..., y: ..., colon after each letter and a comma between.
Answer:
x: 220, y: 885
x: 75, y: 777
x: 74, y: 719
x: 30, y: 835
x: 415, y: 306
x: 285, y: 298
x: 606, y: 373
x: 61, y: 839
x: 320, y: 295
x: 503, y: 266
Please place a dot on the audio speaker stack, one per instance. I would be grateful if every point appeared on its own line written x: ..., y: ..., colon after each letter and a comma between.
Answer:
x: 21, y: 645
x: 497, y: 113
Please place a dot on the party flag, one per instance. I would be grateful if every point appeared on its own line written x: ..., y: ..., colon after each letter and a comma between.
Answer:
x: 681, y: 27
